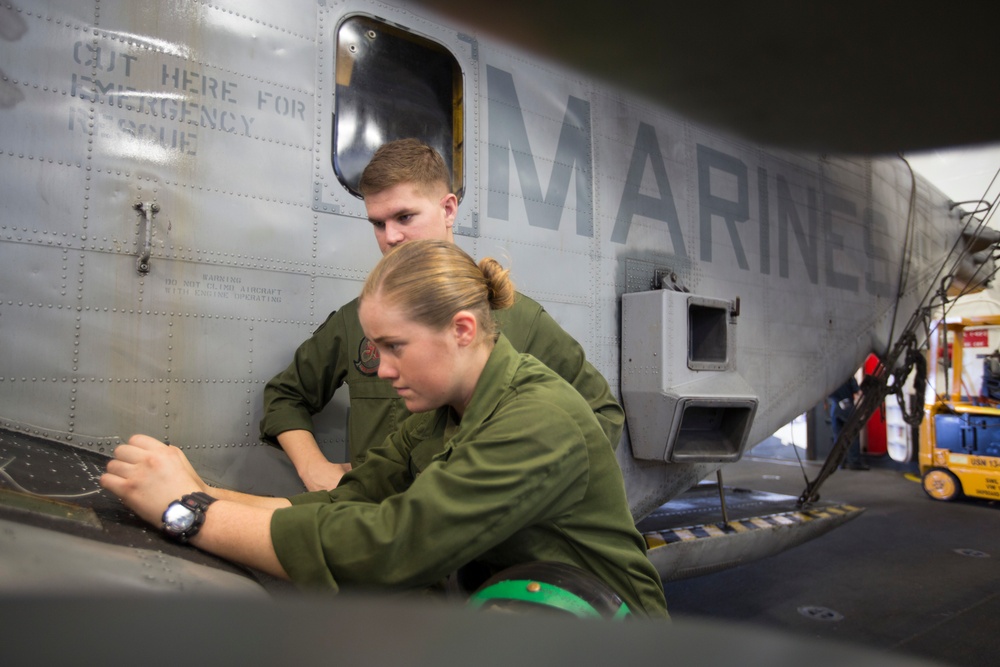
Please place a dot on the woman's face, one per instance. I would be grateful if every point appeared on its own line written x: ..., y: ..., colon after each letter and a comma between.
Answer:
x: 420, y: 362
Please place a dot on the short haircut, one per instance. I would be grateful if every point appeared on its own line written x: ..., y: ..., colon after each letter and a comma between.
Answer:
x: 404, y: 161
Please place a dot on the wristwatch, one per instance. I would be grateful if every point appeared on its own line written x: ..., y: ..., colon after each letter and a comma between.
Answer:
x: 183, y: 518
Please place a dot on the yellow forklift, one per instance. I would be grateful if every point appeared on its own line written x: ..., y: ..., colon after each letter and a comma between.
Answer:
x: 959, y: 450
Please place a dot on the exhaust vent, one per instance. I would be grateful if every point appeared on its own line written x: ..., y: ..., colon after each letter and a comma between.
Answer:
x: 711, y: 430
x: 684, y: 398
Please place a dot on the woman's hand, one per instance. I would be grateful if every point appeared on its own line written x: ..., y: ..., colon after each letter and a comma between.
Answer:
x: 148, y: 475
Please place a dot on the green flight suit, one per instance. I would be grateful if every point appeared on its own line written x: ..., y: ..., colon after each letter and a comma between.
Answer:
x: 339, y: 352
x: 525, y: 475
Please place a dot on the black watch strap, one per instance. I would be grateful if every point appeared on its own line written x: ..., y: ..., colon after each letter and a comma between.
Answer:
x: 197, y: 501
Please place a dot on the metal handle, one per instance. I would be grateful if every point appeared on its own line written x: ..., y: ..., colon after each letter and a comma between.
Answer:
x: 148, y: 210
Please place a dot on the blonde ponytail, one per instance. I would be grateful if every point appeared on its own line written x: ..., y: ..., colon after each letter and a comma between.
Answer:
x: 432, y: 280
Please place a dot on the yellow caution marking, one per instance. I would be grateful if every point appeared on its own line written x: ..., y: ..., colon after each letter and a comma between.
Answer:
x: 655, y: 540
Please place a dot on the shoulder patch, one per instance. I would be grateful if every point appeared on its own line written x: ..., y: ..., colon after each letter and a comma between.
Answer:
x: 367, y: 361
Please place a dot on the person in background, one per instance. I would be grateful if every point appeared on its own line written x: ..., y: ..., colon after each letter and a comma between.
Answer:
x: 406, y: 189
x: 841, y: 407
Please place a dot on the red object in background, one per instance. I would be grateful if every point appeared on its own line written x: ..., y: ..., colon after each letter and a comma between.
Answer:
x: 977, y: 338
x: 875, y: 428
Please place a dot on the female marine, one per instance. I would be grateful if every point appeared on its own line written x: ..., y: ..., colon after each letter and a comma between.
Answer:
x: 503, y: 463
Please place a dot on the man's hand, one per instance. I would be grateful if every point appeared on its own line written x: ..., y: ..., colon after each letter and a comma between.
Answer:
x: 321, y: 475
x: 315, y: 471
x: 148, y: 475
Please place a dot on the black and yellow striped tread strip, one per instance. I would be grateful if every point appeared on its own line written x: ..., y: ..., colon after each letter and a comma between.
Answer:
x: 721, y: 529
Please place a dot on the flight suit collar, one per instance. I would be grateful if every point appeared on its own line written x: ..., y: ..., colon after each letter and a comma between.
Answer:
x: 497, y: 375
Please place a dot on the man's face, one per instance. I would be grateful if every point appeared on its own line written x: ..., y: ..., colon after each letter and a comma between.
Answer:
x: 406, y: 213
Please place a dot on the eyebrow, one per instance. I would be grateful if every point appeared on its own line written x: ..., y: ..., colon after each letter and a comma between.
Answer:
x: 382, y: 339
x: 395, y: 214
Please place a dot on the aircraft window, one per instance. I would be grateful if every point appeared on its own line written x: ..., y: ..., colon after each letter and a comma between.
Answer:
x: 392, y: 84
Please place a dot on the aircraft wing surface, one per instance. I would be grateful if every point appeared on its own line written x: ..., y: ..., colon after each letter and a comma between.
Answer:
x: 62, y: 532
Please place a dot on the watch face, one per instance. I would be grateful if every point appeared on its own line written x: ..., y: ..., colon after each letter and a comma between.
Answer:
x: 178, y: 518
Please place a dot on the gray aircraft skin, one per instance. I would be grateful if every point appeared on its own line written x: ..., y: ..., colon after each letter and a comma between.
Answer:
x: 178, y: 218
